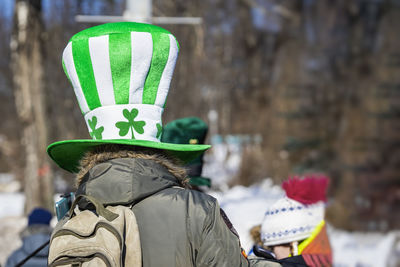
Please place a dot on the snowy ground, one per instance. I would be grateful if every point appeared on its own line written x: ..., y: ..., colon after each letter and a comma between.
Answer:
x: 245, y: 206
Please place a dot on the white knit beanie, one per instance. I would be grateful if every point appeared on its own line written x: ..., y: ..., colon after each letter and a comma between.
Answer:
x: 294, y: 217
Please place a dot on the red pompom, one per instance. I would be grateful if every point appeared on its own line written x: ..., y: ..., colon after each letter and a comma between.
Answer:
x: 309, y: 190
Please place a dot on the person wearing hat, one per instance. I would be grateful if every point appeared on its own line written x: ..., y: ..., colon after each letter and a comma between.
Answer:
x: 33, y: 236
x: 293, y: 231
x: 121, y: 74
x: 189, y: 130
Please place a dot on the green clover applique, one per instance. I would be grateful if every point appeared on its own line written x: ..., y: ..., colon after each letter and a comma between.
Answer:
x: 131, y: 123
x: 159, y: 130
x: 95, y: 133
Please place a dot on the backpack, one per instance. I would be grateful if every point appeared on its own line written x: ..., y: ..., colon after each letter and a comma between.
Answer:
x: 108, y: 236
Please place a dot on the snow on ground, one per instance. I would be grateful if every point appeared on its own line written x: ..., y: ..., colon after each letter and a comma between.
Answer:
x: 11, y: 204
x: 365, y: 249
x: 245, y: 206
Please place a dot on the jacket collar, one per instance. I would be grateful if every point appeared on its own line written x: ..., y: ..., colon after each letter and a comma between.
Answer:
x: 125, y: 181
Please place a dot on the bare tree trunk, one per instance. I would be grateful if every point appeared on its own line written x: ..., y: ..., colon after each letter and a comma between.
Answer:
x: 27, y: 67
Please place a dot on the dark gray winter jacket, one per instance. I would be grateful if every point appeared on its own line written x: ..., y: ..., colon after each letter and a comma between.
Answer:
x: 178, y: 227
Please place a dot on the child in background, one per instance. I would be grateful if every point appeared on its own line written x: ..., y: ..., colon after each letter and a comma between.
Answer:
x: 293, y: 231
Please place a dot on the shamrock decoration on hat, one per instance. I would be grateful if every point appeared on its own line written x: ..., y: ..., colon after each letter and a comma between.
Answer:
x: 121, y: 74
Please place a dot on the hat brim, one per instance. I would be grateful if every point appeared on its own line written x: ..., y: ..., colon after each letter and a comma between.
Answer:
x: 200, y: 181
x: 68, y: 153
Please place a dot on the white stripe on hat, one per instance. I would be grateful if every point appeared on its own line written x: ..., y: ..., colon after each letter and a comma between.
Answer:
x: 70, y: 67
x: 166, y: 76
x: 142, y: 52
x: 99, y: 55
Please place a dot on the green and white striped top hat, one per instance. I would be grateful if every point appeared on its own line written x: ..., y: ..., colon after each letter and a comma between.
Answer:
x: 121, y: 74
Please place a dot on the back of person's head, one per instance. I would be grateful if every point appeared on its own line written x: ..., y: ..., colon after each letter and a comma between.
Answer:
x: 39, y: 216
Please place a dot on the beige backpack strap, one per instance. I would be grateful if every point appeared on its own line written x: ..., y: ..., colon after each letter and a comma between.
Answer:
x: 133, y: 250
x: 100, y: 209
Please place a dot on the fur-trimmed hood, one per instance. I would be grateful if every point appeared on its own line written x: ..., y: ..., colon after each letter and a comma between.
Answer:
x: 108, y: 152
x: 126, y: 180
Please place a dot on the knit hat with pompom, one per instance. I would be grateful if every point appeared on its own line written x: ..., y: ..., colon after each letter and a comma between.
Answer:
x: 294, y: 217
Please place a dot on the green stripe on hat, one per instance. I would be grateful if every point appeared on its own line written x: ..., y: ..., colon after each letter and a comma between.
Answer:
x: 120, y: 61
x: 118, y: 27
x: 159, y: 60
x: 84, y: 70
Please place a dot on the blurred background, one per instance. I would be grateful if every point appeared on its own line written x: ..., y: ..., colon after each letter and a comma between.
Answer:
x: 287, y: 87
